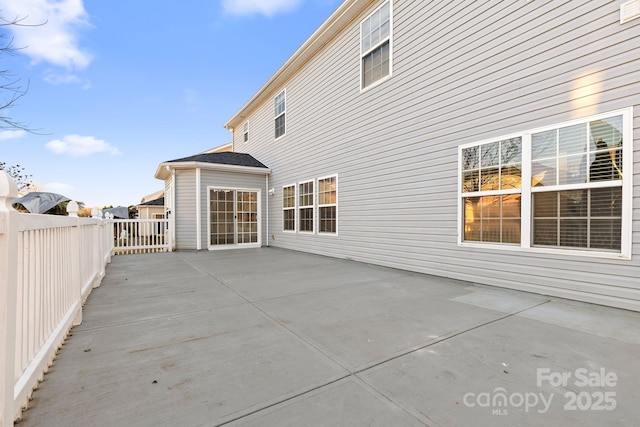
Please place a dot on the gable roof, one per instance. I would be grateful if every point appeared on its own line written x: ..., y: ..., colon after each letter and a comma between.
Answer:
x: 155, y: 202
x: 225, y: 161
x: 152, y: 196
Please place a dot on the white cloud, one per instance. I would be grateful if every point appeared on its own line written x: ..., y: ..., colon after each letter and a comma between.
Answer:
x: 6, y: 135
x: 81, y: 146
x: 49, y: 30
x: 58, y: 187
x: 265, y: 7
x: 63, y: 79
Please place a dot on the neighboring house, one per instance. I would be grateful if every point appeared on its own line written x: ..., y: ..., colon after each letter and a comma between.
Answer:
x: 151, y: 207
x: 490, y: 142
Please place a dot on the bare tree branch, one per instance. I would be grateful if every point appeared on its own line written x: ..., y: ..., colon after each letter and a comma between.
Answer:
x: 12, y: 87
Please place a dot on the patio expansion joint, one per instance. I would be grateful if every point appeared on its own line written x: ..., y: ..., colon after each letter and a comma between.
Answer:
x: 288, y: 399
x: 287, y: 329
x: 450, y: 336
x: 350, y: 372
x: 409, y: 410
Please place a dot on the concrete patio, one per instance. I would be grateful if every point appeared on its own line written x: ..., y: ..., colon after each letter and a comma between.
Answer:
x: 268, y: 337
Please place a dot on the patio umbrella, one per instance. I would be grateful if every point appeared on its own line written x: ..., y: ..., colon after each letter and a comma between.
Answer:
x: 40, y: 202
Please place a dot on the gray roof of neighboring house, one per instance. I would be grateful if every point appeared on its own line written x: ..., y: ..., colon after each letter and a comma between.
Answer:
x: 156, y: 202
x: 224, y: 158
x: 118, y: 212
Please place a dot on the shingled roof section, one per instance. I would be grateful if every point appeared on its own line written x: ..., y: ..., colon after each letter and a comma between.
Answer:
x: 155, y: 202
x: 224, y: 158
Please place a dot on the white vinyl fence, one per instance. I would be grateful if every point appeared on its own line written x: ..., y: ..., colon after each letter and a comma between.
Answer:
x: 48, y: 266
x: 134, y: 236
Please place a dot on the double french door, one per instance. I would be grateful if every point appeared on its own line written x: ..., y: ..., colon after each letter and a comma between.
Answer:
x: 234, y: 217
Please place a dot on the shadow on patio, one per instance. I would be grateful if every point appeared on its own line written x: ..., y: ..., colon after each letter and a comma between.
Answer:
x: 274, y: 337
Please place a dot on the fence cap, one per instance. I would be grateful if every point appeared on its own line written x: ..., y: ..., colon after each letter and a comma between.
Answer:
x: 73, y: 208
x: 8, y: 191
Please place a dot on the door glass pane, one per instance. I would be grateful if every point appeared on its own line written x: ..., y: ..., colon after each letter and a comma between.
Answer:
x: 222, y: 217
x: 247, y: 207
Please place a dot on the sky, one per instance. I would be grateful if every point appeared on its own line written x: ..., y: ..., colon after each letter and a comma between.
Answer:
x: 116, y: 87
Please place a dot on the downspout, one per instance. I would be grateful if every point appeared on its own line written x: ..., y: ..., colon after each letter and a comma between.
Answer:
x: 198, y: 212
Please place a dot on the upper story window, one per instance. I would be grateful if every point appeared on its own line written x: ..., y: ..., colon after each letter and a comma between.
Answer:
x: 280, y: 113
x: 560, y: 187
x: 375, y: 46
x: 245, y: 131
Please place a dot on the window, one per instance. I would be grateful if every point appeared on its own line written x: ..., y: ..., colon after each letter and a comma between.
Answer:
x: 245, y: 131
x: 491, y: 181
x: 289, y: 208
x: 305, y: 206
x: 561, y: 187
x: 582, y: 164
x: 280, y: 110
x: 375, y: 46
x: 327, y: 205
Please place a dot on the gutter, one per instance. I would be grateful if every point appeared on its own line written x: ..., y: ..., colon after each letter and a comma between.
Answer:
x: 162, y: 172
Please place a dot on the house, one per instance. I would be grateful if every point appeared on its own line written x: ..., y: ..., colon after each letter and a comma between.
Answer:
x: 151, y: 207
x: 489, y: 142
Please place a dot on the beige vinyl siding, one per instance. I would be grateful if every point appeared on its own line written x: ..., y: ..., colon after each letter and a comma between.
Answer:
x: 462, y: 73
x: 231, y: 180
x: 185, y: 209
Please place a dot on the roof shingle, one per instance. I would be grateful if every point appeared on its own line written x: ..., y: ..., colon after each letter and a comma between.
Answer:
x: 224, y: 158
x: 155, y: 202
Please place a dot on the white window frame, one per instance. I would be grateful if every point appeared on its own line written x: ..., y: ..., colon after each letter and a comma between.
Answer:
x: 276, y: 115
x: 527, y: 190
x: 245, y: 131
x: 312, y: 206
x: 320, y: 205
x: 494, y: 192
x: 294, y: 208
x: 364, y: 53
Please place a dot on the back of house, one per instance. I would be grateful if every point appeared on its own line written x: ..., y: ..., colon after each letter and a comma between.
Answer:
x: 484, y: 141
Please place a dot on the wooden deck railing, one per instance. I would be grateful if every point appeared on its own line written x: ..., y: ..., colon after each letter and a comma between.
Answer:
x: 48, y: 266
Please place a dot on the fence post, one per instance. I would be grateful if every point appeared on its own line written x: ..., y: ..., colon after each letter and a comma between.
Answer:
x: 100, y: 226
x: 76, y: 261
x: 8, y: 296
x: 169, y: 231
x: 108, y: 238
